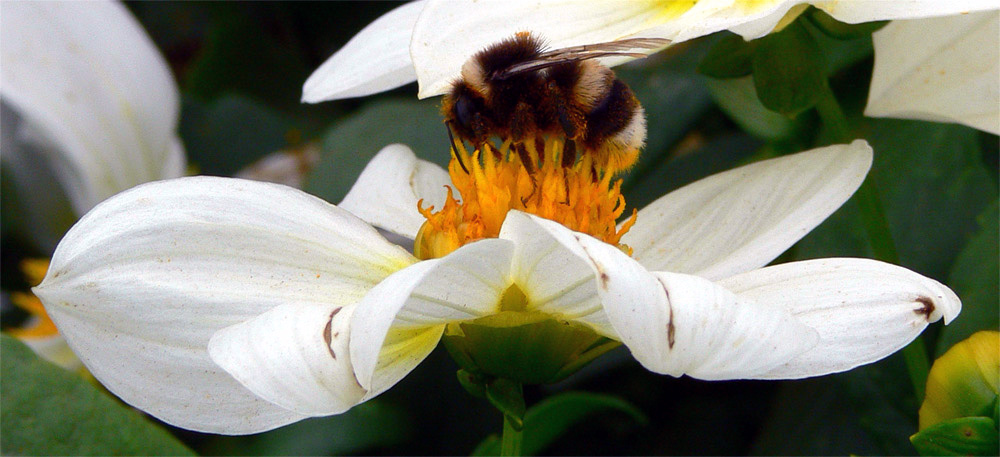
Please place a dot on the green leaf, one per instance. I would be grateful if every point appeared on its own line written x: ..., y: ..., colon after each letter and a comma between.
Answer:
x: 789, y: 70
x: 223, y: 136
x: 964, y: 436
x: 369, y: 426
x: 974, y: 277
x: 867, y: 411
x: 932, y: 185
x: 46, y: 410
x: 489, y: 446
x: 352, y: 142
x: 674, y: 102
x: 839, y: 30
x: 738, y: 99
x: 714, y: 156
x: 550, y: 418
x: 249, y: 49
x: 730, y: 57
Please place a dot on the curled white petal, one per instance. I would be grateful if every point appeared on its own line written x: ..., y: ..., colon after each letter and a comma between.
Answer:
x: 141, y: 283
x: 554, y: 280
x: 742, y: 219
x: 375, y: 60
x: 295, y: 356
x: 97, y: 92
x: 863, y: 309
x: 387, y: 192
x: 679, y: 324
x: 942, y: 69
x: 401, y: 320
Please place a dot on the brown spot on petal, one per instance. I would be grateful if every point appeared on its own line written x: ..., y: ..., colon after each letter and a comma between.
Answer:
x: 601, y: 274
x: 671, y: 329
x: 327, y: 333
x: 926, y: 308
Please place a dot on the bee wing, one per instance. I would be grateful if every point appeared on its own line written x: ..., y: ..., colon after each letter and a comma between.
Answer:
x: 586, y: 52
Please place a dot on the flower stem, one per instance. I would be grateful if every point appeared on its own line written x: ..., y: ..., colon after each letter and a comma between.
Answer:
x: 511, y: 443
x: 877, y: 227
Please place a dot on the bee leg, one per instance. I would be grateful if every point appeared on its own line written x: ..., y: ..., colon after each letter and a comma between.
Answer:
x: 497, y: 154
x: 568, y: 153
x: 454, y: 148
x: 525, y: 157
x: 529, y: 166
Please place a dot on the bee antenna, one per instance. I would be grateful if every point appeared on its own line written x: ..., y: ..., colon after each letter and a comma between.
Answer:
x: 454, y: 147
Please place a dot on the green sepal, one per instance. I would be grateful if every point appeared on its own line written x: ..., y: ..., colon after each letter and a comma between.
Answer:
x: 528, y: 347
x: 730, y: 57
x: 789, y: 70
x: 507, y: 396
x: 839, y: 30
x: 474, y: 384
x: 962, y: 436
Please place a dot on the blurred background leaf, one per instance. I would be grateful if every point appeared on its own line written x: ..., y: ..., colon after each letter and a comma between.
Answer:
x: 974, y: 277
x: 240, y: 67
x: 46, y: 410
x: 551, y: 417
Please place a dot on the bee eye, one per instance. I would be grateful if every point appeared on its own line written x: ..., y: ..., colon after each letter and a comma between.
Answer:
x: 464, y: 111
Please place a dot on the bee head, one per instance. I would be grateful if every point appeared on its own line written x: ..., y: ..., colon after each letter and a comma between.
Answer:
x: 465, y: 108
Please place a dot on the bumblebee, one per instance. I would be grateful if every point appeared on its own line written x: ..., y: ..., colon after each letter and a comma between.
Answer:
x: 517, y: 90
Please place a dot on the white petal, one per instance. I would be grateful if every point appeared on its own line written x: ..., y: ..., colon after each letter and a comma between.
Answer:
x: 554, y: 280
x: 863, y: 309
x: 143, y: 281
x: 943, y: 69
x: 375, y: 60
x: 753, y: 20
x: 750, y: 19
x: 387, y: 192
x: 42, y: 215
x: 856, y: 11
x: 96, y: 90
x: 401, y: 320
x: 742, y: 219
x: 679, y: 324
x: 295, y: 356
x: 54, y: 349
x: 449, y: 32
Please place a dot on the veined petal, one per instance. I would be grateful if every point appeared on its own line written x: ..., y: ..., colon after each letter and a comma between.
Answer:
x: 856, y: 11
x: 449, y: 32
x: 749, y: 19
x: 742, y: 219
x: 387, y: 192
x: 554, y: 280
x: 295, y: 356
x: 755, y: 19
x: 401, y: 320
x: 863, y: 309
x: 143, y: 281
x: 942, y: 69
x: 680, y: 324
x: 98, y: 94
x: 375, y: 60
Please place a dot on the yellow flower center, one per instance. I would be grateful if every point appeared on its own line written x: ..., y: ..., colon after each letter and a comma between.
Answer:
x: 41, y: 326
x: 493, y: 181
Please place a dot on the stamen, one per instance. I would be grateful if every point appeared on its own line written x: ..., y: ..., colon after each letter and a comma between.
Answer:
x: 534, y: 177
